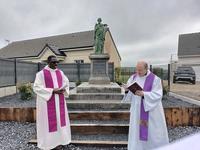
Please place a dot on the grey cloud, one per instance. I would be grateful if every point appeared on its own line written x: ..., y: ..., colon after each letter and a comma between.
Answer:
x: 143, y: 27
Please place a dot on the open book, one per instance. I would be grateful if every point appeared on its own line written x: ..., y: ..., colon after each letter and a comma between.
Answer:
x: 134, y: 87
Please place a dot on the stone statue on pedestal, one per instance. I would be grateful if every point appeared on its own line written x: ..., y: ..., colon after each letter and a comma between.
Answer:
x: 99, y: 59
x: 99, y: 36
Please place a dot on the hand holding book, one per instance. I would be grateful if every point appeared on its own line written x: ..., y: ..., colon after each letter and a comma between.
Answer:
x: 134, y: 87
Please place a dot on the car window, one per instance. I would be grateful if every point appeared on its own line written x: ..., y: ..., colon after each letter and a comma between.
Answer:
x: 184, y: 70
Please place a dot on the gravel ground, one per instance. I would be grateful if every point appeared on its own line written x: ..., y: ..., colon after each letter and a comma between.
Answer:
x: 15, y: 101
x: 169, y: 101
x: 15, y: 135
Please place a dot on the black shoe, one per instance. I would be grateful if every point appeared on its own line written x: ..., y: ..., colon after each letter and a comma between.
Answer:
x: 60, y: 147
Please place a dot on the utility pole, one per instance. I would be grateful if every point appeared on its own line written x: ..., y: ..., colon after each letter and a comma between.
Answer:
x: 171, y: 65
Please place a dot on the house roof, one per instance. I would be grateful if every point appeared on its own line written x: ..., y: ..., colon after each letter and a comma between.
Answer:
x: 55, y: 49
x: 33, y: 47
x: 189, y: 44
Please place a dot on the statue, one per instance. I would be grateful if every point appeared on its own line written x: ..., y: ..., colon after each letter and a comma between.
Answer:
x: 99, y: 36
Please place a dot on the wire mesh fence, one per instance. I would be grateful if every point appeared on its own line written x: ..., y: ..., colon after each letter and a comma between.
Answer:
x: 13, y: 72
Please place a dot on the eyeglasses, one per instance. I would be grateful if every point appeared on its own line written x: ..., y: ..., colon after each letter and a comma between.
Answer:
x: 54, y: 62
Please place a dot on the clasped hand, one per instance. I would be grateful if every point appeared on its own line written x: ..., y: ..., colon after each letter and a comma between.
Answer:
x: 58, y: 91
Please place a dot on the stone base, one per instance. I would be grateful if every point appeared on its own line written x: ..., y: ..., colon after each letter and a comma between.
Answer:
x: 99, y: 69
x: 93, y: 88
x: 99, y: 80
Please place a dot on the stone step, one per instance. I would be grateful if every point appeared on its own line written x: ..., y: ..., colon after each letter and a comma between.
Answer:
x: 93, y: 88
x: 94, y: 101
x: 97, y: 105
x: 89, y: 129
x: 99, y: 90
x: 120, y: 121
x: 97, y: 140
x: 117, y: 105
x: 96, y: 96
x: 103, y: 122
x: 99, y: 115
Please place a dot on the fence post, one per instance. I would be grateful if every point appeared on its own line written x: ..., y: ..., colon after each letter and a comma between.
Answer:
x: 151, y: 68
x: 15, y: 70
x: 113, y: 72
x: 39, y: 65
x: 162, y: 73
x: 78, y: 71
x: 169, y: 78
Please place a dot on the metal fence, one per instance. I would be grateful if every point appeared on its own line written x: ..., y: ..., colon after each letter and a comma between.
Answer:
x: 26, y: 71
x: 13, y: 72
x: 80, y: 71
x: 123, y: 73
x: 7, y: 72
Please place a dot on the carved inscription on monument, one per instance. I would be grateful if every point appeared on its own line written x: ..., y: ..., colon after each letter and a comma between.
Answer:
x: 99, y: 68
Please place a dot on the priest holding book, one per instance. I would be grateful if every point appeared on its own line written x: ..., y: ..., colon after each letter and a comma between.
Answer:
x: 147, y: 128
x: 52, y: 120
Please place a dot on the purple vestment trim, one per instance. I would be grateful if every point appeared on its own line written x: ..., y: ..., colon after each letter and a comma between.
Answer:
x: 144, y: 116
x: 51, y: 106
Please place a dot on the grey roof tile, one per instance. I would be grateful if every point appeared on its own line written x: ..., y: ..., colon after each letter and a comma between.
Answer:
x: 33, y: 47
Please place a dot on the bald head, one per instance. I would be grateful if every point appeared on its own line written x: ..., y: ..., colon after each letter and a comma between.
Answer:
x: 141, y: 68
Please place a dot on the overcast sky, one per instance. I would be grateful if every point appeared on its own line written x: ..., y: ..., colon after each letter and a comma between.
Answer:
x: 142, y: 29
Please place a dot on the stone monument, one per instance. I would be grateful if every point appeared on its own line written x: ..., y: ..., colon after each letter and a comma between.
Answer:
x: 99, y: 59
x: 99, y: 85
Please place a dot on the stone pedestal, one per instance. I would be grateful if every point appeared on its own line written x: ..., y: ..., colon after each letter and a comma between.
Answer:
x: 99, y: 86
x: 99, y: 69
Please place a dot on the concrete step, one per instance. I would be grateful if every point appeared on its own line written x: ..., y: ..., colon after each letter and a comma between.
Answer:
x: 99, y: 115
x: 94, y: 101
x: 97, y: 105
x: 89, y: 129
x: 99, y: 122
x: 97, y: 140
x: 93, y: 88
x: 96, y: 96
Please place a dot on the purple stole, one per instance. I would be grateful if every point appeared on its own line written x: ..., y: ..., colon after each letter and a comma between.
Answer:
x: 51, y: 106
x: 144, y: 116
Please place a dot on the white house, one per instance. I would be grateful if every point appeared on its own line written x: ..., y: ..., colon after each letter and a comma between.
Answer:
x: 189, y: 51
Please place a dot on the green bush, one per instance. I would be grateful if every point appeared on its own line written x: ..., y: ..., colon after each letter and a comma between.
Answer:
x: 118, y: 75
x: 158, y: 72
x: 78, y: 83
x: 25, y: 90
x: 165, y: 90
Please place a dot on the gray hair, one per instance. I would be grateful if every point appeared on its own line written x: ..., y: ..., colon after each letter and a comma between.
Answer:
x: 144, y: 63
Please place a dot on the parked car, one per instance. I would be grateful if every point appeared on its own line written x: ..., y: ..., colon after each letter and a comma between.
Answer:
x: 184, y: 73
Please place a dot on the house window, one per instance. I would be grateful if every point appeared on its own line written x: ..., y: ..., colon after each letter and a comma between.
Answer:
x: 79, y: 61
